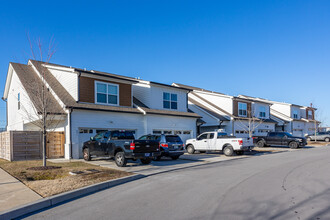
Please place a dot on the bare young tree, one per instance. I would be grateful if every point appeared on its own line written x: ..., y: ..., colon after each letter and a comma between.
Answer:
x: 41, y: 112
x: 250, y: 123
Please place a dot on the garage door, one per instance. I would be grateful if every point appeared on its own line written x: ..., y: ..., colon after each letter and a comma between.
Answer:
x: 298, y: 132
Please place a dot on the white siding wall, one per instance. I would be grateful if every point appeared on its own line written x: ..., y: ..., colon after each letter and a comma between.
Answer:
x: 17, y: 118
x: 68, y: 80
x: 210, y: 121
x: 256, y: 109
x: 284, y: 109
x: 294, y: 108
x: 226, y: 103
x: 152, y: 96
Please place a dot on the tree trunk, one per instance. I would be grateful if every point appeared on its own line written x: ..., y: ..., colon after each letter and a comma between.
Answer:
x: 44, y: 146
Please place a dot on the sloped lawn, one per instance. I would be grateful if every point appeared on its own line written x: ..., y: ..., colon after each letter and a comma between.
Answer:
x: 50, y: 182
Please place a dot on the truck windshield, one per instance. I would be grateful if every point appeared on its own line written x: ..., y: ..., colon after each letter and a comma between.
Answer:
x: 99, y: 136
x: 173, y: 138
x: 288, y: 134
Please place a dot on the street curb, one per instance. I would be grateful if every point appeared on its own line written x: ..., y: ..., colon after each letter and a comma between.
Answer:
x: 63, y: 197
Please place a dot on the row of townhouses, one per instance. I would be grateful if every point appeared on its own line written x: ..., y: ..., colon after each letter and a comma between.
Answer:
x: 85, y: 102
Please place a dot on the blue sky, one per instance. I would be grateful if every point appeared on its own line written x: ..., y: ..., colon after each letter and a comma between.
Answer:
x: 278, y: 50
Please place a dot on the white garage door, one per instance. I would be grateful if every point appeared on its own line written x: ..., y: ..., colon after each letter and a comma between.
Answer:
x: 298, y: 132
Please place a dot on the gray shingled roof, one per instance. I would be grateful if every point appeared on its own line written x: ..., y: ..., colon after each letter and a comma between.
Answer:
x: 33, y: 86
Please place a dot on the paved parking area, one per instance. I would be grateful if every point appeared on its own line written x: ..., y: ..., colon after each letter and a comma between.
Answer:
x: 185, y: 161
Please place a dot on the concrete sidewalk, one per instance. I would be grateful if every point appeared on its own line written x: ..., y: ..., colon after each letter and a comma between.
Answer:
x: 14, y: 193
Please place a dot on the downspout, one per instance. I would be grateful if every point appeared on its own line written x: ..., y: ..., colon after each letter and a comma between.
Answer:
x: 70, y: 132
x: 78, y: 83
x: 6, y: 112
x: 232, y: 126
x: 220, y: 124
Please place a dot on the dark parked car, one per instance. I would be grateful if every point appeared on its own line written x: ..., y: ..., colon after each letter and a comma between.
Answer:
x: 122, y: 146
x: 320, y: 136
x: 279, y: 138
x: 170, y: 145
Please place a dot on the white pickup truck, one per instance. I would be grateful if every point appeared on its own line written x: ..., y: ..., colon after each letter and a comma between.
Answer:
x: 219, y: 141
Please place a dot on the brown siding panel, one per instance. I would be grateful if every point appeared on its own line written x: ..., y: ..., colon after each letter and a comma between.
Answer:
x: 125, y: 94
x: 86, y: 93
x: 235, y: 108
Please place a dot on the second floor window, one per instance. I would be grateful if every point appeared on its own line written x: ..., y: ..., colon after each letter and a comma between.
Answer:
x: 242, y: 109
x: 170, y: 101
x: 107, y: 93
x: 19, y: 101
x: 295, y: 114
x: 310, y: 114
x: 262, y: 112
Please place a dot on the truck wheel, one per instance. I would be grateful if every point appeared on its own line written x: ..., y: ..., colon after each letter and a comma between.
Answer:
x: 327, y: 139
x: 120, y: 159
x: 87, y: 155
x: 260, y: 143
x: 175, y: 157
x: 228, y: 151
x: 239, y: 152
x: 190, y: 149
x: 145, y: 161
x: 308, y: 139
x: 293, y: 145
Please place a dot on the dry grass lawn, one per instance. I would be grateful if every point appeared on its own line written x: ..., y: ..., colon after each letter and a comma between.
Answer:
x: 54, y: 181
x: 317, y: 143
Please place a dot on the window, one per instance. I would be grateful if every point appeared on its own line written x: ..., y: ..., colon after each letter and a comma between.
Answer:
x: 262, y: 112
x: 202, y: 137
x: 18, y: 101
x: 100, y: 130
x: 310, y: 114
x: 186, y: 132
x: 85, y: 131
x: 157, y: 132
x: 106, y: 93
x: 177, y: 132
x: 173, y: 138
x: 170, y: 101
x: 242, y: 109
x: 122, y: 135
x: 211, y: 136
x: 167, y: 132
x: 295, y: 114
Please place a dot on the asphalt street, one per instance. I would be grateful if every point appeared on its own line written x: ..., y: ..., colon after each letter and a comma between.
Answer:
x: 287, y: 185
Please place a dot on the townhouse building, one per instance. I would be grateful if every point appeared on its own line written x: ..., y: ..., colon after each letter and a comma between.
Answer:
x: 236, y: 115
x: 84, y: 102
x: 295, y: 119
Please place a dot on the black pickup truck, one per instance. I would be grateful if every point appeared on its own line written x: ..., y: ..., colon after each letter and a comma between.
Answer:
x: 122, y: 146
x: 279, y: 138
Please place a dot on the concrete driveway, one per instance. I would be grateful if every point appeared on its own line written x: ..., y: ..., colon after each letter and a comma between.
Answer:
x: 185, y: 161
